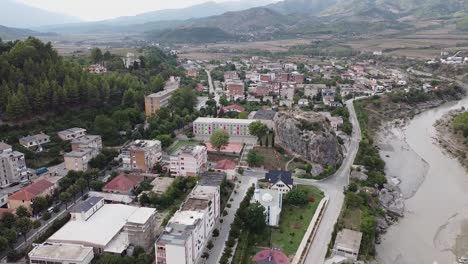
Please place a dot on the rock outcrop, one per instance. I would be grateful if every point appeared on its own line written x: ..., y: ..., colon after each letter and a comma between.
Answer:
x: 310, y: 135
x: 392, y: 200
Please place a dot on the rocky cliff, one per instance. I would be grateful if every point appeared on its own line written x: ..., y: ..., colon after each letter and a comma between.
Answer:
x: 310, y: 135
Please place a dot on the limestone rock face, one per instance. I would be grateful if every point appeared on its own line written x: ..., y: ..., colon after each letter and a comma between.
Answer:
x: 310, y: 135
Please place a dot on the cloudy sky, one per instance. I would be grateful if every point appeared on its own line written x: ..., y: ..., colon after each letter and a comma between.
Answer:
x: 91, y: 10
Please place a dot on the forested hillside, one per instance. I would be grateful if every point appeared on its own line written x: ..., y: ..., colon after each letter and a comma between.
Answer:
x: 35, y: 80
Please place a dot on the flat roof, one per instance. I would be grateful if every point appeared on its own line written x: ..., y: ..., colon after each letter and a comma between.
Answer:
x: 78, y: 153
x: 349, y: 239
x: 187, y: 218
x: 267, y: 197
x: 4, y: 146
x: 223, y: 120
x: 59, y: 251
x: 203, y: 192
x: 210, y: 178
x: 102, y: 227
x: 85, y: 139
x: 161, y: 184
x: 195, y: 204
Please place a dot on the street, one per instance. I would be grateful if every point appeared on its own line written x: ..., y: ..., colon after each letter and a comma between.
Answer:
x: 212, y: 88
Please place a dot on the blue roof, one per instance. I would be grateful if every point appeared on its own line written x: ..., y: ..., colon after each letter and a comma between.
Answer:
x: 275, y: 176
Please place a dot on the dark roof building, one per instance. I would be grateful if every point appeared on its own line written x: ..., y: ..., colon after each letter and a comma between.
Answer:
x: 273, y: 177
x: 210, y: 178
x: 265, y: 114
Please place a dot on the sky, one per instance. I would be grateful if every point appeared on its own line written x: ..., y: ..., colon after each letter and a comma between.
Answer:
x: 93, y: 10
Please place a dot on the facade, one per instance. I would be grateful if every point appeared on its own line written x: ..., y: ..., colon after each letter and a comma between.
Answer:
x: 131, y: 60
x: 71, y: 133
x: 25, y: 197
x: 60, y: 253
x: 155, y: 101
x: 281, y: 181
x: 34, y: 140
x: 141, y: 155
x: 347, y: 244
x: 235, y: 89
x: 78, y: 160
x: 12, y: 165
x: 204, y: 126
x: 272, y: 200
x: 189, y: 161
x: 112, y: 229
x: 87, y: 141
x: 189, y: 229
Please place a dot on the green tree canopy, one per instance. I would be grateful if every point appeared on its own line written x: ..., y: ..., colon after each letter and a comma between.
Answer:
x: 219, y: 139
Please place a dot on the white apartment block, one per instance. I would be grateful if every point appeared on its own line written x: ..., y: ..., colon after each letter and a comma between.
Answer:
x: 205, y: 126
x: 141, y: 155
x: 12, y: 165
x: 188, y: 230
x: 189, y: 161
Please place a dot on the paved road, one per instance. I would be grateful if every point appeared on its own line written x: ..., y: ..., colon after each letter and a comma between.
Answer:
x: 212, y: 88
x: 219, y: 242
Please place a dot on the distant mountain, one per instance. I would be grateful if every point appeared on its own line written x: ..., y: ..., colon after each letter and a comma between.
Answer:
x: 197, y: 11
x: 8, y: 33
x: 311, y: 7
x: 18, y: 15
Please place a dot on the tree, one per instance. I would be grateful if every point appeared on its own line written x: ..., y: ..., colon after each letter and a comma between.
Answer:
x: 65, y: 197
x: 254, y: 217
x: 22, y: 212
x: 223, y: 100
x: 24, y: 225
x: 8, y: 219
x: 215, y: 232
x: 166, y: 140
x: 296, y: 197
x: 258, y: 129
x: 190, y: 135
x: 254, y: 159
x: 219, y: 139
x: 40, y: 204
x: 3, y: 243
x: 82, y: 184
x: 210, y: 245
x: 96, y: 55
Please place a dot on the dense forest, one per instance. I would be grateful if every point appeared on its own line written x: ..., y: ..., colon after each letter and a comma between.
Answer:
x: 35, y: 80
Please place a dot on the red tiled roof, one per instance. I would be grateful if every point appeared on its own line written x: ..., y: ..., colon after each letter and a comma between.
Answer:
x: 237, y: 108
x: 225, y: 165
x: 123, y: 183
x: 30, y: 192
x: 272, y: 256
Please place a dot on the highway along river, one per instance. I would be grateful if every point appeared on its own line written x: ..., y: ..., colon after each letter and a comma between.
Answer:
x: 435, y: 186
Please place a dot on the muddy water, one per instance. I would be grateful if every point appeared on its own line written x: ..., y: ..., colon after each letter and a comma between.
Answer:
x: 435, y: 186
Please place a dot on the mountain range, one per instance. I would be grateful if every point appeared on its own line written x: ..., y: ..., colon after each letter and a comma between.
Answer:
x: 247, y: 20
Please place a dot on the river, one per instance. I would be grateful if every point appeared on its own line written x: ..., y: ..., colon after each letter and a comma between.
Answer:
x: 435, y: 186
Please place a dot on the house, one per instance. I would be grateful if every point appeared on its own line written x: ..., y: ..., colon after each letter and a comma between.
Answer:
x: 97, y: 69
x: 78, y: 160
x: 328, y: 96
x: 281, y: 181
x: 347, y: 244
x: 191, y: 73
x: 110, y: 229
x: 87, y: 141
x: 12, y: 164
x: 141, y: 155
x: 71, y: 133
x: 85, y: 209
x: 235, y: 89
x: 35, y: 141
x: 272, y: 200
x: 25, y: 197
x: 123, y: 184
x: 189, y: 161
x: 233, y: 108
x: 60, y: 253
x: 228, y: 167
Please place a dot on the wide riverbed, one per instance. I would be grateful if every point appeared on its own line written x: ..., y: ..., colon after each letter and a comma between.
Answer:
x: 435, y: 226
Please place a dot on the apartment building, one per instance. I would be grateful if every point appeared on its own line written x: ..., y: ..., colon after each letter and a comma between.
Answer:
x: 155, y: 101
x: 205, y: 126
x: 35, y: 140
x: 235, y: 89
x: 189, y: 161
x: 87, y: 141
x: 12, y: 165
x: 49, y: 253
x: 78, y: 160
x: 141, y: 155
x: 71, y: 133
x: 189, y: 229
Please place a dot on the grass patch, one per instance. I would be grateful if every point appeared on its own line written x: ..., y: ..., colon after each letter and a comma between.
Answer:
x: 273, y: 160
x: 352, y: 218
x: 180, y: 144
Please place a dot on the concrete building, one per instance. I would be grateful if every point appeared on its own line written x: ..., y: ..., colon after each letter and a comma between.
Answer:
x: 228, y: 167
x: 84, y: 210
x: 161, y: 184
x: 35, y: 140
x: 347, y: 244
x: 205, y: 126
x: 112, y: 228
x: 131, y: 60
x: 59, y: 253
x: 188, y: 230
x: 272, y: 200
x: 189, y: 161
x: 78, y: 160
x: 155, y: 101
x: 12, y: 165
x: 97, y: 69
x: 235, y: 89
x: 25, y: 197
x: 87, y: 141
x: 141, y: 155
x: 265, y: 116
x: 71, y: 133
x: 281, y: 181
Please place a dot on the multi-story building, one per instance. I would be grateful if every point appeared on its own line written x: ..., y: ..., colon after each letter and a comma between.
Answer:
x: 50, y: 253
x: 34, y: 140
x: 189, y: 161
x: 188, y: 230
x: 87, y: 141
x: 71, y: 133
x: 12, y: 165
x: 272, y: 200
x: 204, y: 126
x: 155, y: 101
x: 131, y: 60
x: 235, y: 89
x: 78, y: 160
x: 141, y: 155
x: 25, y: 197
